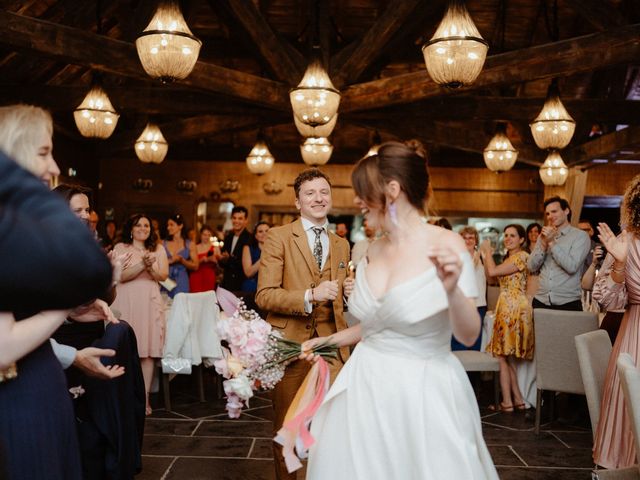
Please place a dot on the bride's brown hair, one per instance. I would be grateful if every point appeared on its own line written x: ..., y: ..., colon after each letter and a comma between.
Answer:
x: 405, y: 163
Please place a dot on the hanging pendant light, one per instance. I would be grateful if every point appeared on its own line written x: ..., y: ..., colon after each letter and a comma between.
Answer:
x: 260, y: 160
x: 167, y: 48
x: 554, y: 171
x: 319, y: 131
x: 151, y: 147
x: 95, y: 117
x: 315, y: 100
x: 500, y: 156
x: 316, y: 150
x: 456, y: 53
x: 553, y: 127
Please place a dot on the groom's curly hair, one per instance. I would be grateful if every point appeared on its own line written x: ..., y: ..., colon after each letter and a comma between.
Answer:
x: 306, y: 176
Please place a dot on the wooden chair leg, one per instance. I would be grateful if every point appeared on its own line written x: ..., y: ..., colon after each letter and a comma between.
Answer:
x: 200, y: 381
x: 166, y: 391
x: 538, y: 409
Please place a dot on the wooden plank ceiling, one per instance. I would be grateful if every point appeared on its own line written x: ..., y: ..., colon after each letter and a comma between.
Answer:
x: 254, y: 51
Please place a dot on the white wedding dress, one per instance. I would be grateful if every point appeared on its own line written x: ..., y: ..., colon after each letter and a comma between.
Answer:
x: 402, y: 406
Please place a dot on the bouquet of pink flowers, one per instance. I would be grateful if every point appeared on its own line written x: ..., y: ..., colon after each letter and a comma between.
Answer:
x: 256, y: 355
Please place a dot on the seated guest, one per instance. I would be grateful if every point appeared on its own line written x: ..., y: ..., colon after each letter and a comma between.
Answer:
x: 181, y: 253
x: 204, y: 278
x: 251, y: 257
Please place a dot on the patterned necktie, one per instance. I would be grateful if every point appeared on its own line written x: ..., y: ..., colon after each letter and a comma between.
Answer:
x: 317, y: 246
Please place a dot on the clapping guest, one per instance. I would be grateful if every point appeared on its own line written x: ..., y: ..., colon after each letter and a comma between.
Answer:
x: 618, y: 287
x: 513, y: 326
x: 204, y: 278
x: 251, y: 257
x: 138, y: 294
x: 49, y: 262
x: 181, y: 253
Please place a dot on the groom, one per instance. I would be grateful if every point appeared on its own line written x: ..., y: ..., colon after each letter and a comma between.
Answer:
x: 302, y: 268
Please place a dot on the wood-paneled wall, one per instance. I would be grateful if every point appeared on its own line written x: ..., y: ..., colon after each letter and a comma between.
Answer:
x: 457, y: 191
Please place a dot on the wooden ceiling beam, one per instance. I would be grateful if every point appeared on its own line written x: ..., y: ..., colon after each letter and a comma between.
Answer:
x: 565, y: 57
x: 373, y: 43
x: 444, y: 135
x: 146, y: 100
x: 284, y: 61
x: 476, y: 107
x: 114, y: 56
x: 602, y: 147
x: 600, y: 14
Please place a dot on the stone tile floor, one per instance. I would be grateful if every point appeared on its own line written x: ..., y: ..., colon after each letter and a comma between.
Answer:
x: 197, y: 441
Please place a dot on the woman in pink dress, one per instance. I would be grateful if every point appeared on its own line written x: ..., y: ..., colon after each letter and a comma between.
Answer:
x: 618, y: 287
x: 138, y: 294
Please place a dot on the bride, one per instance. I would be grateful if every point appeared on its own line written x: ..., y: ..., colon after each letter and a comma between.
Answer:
x: 402, y: 406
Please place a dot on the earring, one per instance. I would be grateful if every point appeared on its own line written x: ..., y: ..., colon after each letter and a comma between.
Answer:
x: 393, y: 213
x: 131, y: 235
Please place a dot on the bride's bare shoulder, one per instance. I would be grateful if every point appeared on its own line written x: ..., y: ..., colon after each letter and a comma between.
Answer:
x: 441, y: 237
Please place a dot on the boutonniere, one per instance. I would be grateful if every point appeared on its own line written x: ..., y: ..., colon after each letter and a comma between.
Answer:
x: 341, y: 265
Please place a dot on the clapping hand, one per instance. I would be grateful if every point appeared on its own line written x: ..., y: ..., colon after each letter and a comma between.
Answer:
x: 448, y: 266
x: 485, y: 248
x: 618, y: 247
x: 148, y: 260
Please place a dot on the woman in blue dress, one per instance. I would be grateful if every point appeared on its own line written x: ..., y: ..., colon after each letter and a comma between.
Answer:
x: 251, y: 257
x: 182, y: 255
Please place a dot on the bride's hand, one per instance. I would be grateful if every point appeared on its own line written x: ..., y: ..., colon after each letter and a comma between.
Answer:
x: 448, y: 265
x: 616, y: 246
x: 307, y: 349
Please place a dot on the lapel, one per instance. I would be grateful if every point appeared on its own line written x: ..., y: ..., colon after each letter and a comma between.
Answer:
x: 301, y: 241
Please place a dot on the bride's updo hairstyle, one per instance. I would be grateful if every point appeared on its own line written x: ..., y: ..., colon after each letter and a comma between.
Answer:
x: 405, y: 163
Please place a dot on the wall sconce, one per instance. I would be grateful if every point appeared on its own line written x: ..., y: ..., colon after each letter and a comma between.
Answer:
x: 142, y: 185
x: 229, y: 186
x: 186, y: 186
x: 272, y: 188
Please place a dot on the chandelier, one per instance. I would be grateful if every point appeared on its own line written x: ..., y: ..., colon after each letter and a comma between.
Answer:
x: 456, y: 53
x: 318, y: 131
x: 167, y: 48
x: 315, y: 100
x: 95, y: 117
x: 260, y: 160
x: 500, y: 156
x: 554, y: 171
x: 151, y: 147
x: 553, y: 127
x: 316, y: 150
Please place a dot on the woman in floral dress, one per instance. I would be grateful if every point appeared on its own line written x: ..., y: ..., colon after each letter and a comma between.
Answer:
x: 513, y: 325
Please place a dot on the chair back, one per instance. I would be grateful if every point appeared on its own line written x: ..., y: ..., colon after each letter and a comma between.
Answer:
x: 493, y: 293
x: 556, y: 357
x: 630, y: 380
x: 594, y: 350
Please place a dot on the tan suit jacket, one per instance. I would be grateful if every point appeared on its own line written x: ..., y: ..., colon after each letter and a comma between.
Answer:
x: 287, y: 270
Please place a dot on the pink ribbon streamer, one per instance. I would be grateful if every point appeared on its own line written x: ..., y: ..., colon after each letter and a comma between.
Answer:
x: 295, y: 431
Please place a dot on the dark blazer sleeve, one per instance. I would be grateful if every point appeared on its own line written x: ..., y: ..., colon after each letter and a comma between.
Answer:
x: 48, y: 258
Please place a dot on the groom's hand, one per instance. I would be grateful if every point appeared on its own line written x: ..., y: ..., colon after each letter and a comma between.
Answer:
x: 327, y: 290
